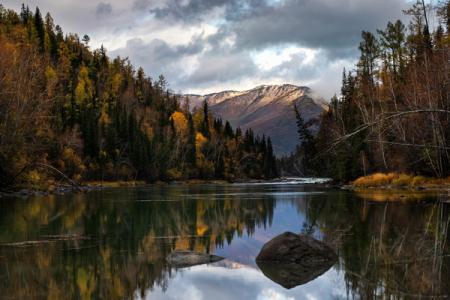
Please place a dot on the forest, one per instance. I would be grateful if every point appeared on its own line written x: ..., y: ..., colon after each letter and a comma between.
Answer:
x: 71, y: 113
x: 393, y: 114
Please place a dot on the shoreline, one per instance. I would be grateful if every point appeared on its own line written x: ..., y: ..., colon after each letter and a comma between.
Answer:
x: 421, y: 188
x: 89, y: 186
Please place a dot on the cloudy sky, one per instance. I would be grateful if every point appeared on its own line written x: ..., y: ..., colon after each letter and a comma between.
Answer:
x: 204, y: 46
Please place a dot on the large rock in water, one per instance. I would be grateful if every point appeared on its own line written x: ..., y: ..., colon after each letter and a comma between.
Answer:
x: 291, y: 259
x: 184, y: 259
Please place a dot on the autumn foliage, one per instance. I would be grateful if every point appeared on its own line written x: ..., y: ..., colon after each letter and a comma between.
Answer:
x: 65, y: 106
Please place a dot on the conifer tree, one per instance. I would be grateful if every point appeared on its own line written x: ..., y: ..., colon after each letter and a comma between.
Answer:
x: 39, y: 25
x: 205, y: 124
x: 307, y: 149
x: 228, y: 131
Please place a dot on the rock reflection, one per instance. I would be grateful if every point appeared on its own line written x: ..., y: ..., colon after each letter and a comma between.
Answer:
x: 290, y: 275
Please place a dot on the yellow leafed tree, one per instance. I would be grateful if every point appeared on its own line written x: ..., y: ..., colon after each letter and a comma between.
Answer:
x: 180, y: 122
x: 83, y: 92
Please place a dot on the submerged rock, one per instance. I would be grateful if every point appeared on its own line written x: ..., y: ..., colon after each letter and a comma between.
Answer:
x: 291, y: 259
x: 184, y: 259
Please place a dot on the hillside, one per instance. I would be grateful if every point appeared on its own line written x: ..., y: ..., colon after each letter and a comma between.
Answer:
x: 74, y: 114
x: 268, y: 110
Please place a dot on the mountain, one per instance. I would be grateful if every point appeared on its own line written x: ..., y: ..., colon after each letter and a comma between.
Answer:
x: 267, y: 109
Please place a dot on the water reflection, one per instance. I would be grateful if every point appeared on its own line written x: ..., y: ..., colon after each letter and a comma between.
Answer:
x: 113, y: 244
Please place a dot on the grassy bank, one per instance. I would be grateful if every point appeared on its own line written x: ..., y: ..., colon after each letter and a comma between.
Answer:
x: 400, y: 181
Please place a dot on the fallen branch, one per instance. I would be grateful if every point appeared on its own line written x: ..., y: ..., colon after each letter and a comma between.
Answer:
x: 73, y: 183
x: 49, y: 239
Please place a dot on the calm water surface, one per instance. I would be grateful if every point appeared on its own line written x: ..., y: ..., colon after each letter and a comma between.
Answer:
x: 112, y: 244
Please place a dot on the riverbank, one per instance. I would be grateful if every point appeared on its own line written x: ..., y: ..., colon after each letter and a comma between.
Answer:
x: 59, y: 189
x: 399, y: 181
x: 88, y: 186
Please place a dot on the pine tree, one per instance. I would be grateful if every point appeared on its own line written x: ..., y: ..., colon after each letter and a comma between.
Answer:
x: 191, y: 149
x: 39, y: 25
x: 272, y: 163
x: 392, y: 42
x: 205, y: 124
x: 369, y: 53
x: 51, y: 42
x: 228, y: 131
x: 307, y: 149
x: 25, y: 14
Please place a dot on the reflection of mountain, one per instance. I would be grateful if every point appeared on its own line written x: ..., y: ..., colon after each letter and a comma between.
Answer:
x: 128, y: 240
x: 229, y: 264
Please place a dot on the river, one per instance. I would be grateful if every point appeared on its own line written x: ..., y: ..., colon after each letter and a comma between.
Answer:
x: 112, y: 244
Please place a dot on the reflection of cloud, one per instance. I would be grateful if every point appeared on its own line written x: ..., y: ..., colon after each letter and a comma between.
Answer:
x: 213, y: 282
x: 272, y: 295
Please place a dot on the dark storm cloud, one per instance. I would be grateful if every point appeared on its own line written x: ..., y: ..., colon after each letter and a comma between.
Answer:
x: 103, y: 9
x: 327, y: 24
x: 191, y: 12
x: 194, y: 10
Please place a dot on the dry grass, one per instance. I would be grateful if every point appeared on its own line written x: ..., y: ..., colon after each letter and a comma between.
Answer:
x: 399, y: 180
x: 115, y: 184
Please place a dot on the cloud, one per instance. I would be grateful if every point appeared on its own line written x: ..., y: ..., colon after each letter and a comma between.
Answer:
x: 103, y: 9
x: 159, y: 57
x: 331, y: 28
x: 190, y: 11
x: 222, y: 67
x: 327, y: 24
x: 141, y: 5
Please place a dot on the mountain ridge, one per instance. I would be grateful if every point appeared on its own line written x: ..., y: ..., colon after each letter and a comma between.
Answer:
x: 267, y: 109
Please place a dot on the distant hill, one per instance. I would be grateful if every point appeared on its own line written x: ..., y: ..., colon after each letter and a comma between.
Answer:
x: 267, y: 109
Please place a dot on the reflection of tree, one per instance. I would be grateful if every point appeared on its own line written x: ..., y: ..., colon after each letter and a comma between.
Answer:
x: 388, y: 250
x: 125, y: 242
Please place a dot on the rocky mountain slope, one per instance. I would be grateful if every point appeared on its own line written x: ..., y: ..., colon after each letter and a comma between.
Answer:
x: 267, y: 109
